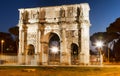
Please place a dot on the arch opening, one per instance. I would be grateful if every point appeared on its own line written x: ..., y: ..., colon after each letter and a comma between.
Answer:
x: 54, y: 49
x: 74, y: 54
x: 31, y: 49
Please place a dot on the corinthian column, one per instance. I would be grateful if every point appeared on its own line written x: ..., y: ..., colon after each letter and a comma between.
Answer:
x: 84, y: 44
x: 64, y: 51
x: 22, y: 44
x: 38, y: 46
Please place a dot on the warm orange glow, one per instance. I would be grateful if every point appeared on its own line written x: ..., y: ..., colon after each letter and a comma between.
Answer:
x: 2, y: 41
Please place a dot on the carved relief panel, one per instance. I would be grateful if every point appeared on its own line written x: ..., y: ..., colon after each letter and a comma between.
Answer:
x: 70, y: 33
x: 31, y: 38
x: 72, y: 36
x: 34, y: 14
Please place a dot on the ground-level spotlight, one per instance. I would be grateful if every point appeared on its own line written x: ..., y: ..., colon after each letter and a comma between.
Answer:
x: 54, y: 49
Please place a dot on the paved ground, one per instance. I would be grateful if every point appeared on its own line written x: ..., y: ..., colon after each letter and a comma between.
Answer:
x: 104, y: 70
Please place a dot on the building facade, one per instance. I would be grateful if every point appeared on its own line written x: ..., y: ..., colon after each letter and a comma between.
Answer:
x: 57, y: 35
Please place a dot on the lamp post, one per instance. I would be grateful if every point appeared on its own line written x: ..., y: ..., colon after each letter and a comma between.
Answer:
x: 108, y: 55
x: 2, y: 42
x: 99, y: 45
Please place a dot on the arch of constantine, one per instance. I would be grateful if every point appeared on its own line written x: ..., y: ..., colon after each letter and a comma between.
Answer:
x: 57, y: 35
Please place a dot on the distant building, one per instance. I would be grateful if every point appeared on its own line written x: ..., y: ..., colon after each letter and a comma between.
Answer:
x: 57, y: 35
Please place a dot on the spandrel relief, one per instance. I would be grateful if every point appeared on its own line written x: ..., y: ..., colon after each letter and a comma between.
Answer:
x: 76, y: 33
x: 69, y: 33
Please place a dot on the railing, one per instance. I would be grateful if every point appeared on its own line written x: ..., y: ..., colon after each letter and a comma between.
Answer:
x: 8, y: 59
x: 94, y: 59
x: 13, y: 60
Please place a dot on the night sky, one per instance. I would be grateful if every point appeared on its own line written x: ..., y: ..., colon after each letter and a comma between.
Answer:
x: 102, y: 13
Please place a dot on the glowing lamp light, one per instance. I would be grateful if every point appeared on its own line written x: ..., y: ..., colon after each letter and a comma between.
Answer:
x: 54, y: 49
x: 2, y: 41
x: 99, y: 44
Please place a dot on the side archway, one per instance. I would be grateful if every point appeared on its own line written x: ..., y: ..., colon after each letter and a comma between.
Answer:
x: 31, y: 49
x: 74, y: 54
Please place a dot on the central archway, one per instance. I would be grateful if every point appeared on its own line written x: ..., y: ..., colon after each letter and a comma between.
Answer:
x: 54, y: 49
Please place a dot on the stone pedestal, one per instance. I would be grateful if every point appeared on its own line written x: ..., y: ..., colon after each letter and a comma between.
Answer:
x: 64, y: 59
x: 21, y: 59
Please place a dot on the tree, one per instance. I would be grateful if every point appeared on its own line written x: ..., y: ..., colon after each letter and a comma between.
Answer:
x: 115, y: 28
x: 15, y: 32
x: 98, y: 36
x: 8, y: 41
x: 106, y: 38
x: 112, y: 34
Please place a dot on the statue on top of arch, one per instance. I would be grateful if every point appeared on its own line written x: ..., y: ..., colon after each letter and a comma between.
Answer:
x: 33, y: 14
x: 23, y: 16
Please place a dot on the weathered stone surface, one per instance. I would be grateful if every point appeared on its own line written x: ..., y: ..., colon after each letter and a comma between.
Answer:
x: 69, y: 22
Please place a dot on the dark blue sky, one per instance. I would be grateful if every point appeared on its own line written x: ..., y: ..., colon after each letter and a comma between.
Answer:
x: 102, y: 13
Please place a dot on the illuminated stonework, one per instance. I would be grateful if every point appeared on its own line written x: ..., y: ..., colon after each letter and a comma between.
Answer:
x: 65, y: 27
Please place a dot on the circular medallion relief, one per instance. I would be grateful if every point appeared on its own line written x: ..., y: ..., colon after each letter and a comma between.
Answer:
x: 75, y: 33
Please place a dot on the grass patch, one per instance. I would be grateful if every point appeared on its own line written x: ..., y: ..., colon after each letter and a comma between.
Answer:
x: 58, y: 71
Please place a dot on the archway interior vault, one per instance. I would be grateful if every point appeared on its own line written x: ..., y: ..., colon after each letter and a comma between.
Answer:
x: 54, y: 49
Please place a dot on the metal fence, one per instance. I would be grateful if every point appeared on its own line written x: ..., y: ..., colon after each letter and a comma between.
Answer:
x: 13, y: 60
x: 94, y: 59
x: 8, y: 59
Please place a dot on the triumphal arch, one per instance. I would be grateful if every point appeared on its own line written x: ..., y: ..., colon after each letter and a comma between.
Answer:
x: 56, y: 35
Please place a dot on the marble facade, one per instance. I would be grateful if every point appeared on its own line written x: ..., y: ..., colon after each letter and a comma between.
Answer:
x: 68, y: 25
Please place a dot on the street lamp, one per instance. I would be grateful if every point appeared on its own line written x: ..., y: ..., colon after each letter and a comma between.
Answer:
x: 2, y: 42
x: 99, y: 44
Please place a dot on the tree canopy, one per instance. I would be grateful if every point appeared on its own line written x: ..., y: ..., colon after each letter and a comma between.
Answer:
x: 112, y: 34
x: 14, y: 30
x: 8, y: 41
x: 115, y: 26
